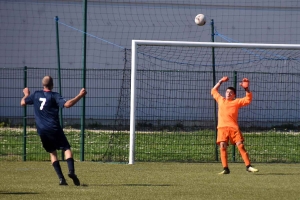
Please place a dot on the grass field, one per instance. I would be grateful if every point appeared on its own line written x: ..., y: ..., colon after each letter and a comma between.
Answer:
x: 193, y: 146
x: 37, y: 180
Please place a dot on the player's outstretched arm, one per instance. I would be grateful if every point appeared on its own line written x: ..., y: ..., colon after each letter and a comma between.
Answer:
x: 73, y: 101
x: 218, y: 84
x: 248, y: 98
x: 245, y: 84
x: 26, y: 92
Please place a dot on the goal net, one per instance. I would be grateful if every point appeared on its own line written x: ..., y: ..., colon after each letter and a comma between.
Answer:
x: 173, y: 112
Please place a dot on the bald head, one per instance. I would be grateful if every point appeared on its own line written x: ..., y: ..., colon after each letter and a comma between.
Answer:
x: 47, y: 82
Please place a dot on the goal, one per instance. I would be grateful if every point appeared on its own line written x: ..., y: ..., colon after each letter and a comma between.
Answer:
x: 172, y: 111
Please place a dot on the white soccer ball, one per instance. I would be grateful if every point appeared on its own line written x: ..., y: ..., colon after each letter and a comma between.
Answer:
x: 200, y: 19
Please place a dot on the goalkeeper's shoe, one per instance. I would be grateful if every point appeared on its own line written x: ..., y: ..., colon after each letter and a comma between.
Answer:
x: 74, y: 178
x: 225, y: 171
x: 251, y: 169
x: 62, y: 181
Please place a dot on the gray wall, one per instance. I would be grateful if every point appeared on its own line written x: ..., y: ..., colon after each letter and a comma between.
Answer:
x: 27, y: 35
x: 28, y: 27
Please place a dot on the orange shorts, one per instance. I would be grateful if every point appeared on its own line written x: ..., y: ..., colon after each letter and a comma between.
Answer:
x: 227, y: 134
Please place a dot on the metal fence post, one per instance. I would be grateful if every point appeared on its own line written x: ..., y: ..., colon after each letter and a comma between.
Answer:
x: 83, y: 79
x: 24, y: 117
x: 59, y: 77
x: 214, y: 82
x: 235, y: 86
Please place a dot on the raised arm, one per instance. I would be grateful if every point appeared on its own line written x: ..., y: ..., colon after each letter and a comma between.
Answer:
x: 26, y: 92
x: 73, y: 101
x: 245, y: 84
x: 218, y: 84
x: 248, y: 98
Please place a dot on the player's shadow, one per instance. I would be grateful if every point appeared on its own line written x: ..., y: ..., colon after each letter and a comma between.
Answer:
x: 134, y: 185
x: 276, y: 174
x: 17, y: 193
x: 147, y: 185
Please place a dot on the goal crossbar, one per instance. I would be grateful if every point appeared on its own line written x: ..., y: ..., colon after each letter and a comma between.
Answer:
x: 214, y: 44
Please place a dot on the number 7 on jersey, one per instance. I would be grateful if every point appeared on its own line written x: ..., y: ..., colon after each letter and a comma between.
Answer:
x: 43, y: 100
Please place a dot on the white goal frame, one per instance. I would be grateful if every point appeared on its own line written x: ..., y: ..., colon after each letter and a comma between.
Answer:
x: 136, y: 43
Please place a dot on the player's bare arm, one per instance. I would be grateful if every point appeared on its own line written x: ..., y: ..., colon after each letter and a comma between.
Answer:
x: 26, y: 92
x: 73, y: 101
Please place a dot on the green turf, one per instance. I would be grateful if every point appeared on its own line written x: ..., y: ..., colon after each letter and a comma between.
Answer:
x: 158, y: 146
x: 37, y: 180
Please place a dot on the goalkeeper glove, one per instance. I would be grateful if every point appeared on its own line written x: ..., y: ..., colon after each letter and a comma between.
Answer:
x: 224, y: 79
x: 245, y: 83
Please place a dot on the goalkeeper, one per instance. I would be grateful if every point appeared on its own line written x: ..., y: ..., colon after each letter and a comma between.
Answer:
x: 228, y: 129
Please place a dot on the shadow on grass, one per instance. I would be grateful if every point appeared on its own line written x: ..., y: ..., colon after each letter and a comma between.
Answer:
x: 133, y: 185
x: 152, y: 185
x: 17, y: 193
x: 277, y: 174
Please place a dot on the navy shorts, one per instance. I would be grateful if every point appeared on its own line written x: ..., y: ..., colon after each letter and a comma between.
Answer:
x: 55, y: 141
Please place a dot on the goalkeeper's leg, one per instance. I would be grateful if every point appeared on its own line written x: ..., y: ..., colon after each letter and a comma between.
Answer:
x: 245, y: 157
x: 224, y: 158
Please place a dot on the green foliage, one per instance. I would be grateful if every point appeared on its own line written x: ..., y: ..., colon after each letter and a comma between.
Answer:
x: 144, y: 125
x: 286, y: 127
x: 94, y: 125
x: 5, y: 123
x: 2, y: 124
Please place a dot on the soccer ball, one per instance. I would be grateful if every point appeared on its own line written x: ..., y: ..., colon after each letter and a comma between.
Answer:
x: 200, y: 19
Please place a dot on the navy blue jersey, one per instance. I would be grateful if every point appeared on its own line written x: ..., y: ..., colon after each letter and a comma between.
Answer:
x: 46, y: 108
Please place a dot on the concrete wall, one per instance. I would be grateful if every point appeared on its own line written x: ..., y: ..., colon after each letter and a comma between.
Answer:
x: 28, y: 27
x: 28, y: 38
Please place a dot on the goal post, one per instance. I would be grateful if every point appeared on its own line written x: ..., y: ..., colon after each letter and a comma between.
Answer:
x: 257, y: 46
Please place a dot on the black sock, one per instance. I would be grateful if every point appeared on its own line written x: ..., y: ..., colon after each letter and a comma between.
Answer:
x: 57, y: 169
x: 71, y: 167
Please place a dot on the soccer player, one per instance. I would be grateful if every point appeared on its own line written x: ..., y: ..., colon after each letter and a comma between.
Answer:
x: 46, y: 108
x: 228, y: 128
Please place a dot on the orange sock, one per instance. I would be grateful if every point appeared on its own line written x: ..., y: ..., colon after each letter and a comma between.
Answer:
x: 244, y: 154
x: 224, y: 161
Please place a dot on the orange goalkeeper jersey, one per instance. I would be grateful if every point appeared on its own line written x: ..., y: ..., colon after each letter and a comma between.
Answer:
x: 229, y: 109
